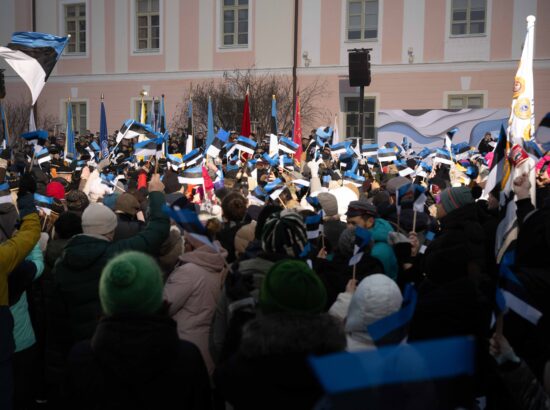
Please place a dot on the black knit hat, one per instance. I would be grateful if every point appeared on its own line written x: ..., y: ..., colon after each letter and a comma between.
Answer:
x: 284, y: 233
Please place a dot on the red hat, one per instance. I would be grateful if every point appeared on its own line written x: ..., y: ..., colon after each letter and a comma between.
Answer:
x: 56, y: 190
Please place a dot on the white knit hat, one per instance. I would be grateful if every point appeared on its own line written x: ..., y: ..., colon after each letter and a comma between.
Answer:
x: 98, y: 219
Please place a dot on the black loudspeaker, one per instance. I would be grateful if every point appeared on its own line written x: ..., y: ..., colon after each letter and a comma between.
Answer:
x: 359, y: 69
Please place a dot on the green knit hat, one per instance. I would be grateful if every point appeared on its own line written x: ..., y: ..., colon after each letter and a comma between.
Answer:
x: 291, y: 286
x: 454, y: 198
x: 131, y: 283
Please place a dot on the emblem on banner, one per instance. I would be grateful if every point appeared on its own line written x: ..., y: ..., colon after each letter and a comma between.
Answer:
x: 522, y: 108
x: 519, y: 86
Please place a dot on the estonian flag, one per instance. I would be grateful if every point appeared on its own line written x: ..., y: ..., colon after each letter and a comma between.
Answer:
x: 399, y: 376
x: 272, y: 161
x: 43, y: 202
x: 393, y: 329
x: 386, y: 155
x: 274, y: 115
x: 190, y: 223
x: 516, y: 296
x: 103, y: 134
x: 449, y: 138
x: 426, y: 152
x: 36, y: 138
x: 362, y: 240
x: 369, y: 150
x: 351, y: 177
x: 174, y: 162
x: 341, y: 147
x: 462, y: 151
x: 443, y: 156
x: 148, y: 147
x: 132, y: 129
x: 217, y: 145
x: 192, y: 176
x: 33, y: 57
x: 245, y: 144
x: 5, y: 194
x: 288, y: 146
x: 314, y: 225
x: 43, y: 156
x: 498, y: 168
x: 193, y: 158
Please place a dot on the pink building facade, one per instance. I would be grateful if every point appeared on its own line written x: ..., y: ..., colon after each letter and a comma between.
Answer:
x: 426, y: 54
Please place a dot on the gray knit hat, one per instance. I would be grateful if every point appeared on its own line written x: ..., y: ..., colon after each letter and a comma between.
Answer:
x: 284, y: 233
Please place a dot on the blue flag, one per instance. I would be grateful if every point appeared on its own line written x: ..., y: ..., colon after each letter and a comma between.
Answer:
x: 103, y: 135
x: 274, y: 115
x: 210, y: 132
x: 162, y: 116
x: 70, y: 148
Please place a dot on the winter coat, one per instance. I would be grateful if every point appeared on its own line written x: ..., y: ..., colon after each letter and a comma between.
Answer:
x: 75, y: 306
x: 381, y: 250
x: 136, y: 362
x: 533, y: 241
x: 193, y: 290
x: 271, y: 370
x: 127, y: 226
x: 376, y: 297
x: 332, y: 229
x: 12, y: 253
x: 237, y: 305
x: 525, y: 389
x: 23, y: 331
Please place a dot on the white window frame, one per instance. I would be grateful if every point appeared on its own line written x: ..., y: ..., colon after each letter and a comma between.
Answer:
x: 468, y: 22
x: 363, y: 23
x: 219, y: 30
x: 63, y: 31
x: 63, y: 110
x: 344, y: 112
x: 133, y: 32
x: 470, y: 93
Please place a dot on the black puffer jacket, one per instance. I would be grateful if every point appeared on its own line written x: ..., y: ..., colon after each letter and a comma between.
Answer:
x: 136, y: 362
x: 270, y: 371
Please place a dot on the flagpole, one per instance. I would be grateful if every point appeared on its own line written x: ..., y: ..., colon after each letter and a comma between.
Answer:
x: 414, y: 221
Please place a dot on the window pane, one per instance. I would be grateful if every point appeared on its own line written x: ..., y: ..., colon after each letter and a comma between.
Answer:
x: 477, y: 28
x: 243, y: 15
x: 460, y: 4
x: 82, y: 10
x: 71, y: 27
x: 369, y: 106
x: 354, y: 35
x: 228, y: 39
x: 143, y: 6
x: 352, y: 105
x: 82, y: 47
x: 478, y: 4
x: 371, y: 33
x: 371, y: 21
x: 155, y: 43
x: 459, y: 15
x: 352, y: 119
x: 455, y: 102
x: 459, y: 28
x: 243, y: 38
x: 71, y: 47
x: 228, y: 2
x: 155, y: 5
x: 228, y: 15
x: 155, y: 20
x: 243, y: 27
x: 155, y: 32
x: 70, y: 11
x: 142, y: 21
x: 354, y: 8
x: 82, y: 25
x: 243, y: 2
x: 475, y: 102
x: 142, y: 44
x: 477, y: 15
x: 371, y: 7
x: 355, y: 21
x: 228, y: 27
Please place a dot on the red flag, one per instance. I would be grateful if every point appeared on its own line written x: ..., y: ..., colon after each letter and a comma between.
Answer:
x: 245, y: 126
x: 297, y: 133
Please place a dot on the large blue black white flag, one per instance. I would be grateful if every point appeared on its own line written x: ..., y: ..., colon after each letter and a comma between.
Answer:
x: 132, y: 129
x: 33, y: 57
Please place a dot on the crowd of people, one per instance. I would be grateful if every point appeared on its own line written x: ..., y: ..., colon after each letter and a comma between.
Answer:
x: 112, y: 297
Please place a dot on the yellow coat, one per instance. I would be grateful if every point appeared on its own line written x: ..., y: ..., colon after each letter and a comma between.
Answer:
x: 14, y: 250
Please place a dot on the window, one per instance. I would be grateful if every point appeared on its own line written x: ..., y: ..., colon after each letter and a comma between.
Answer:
x: 148, y: 25
x: 147, y: 109
x: 352, y: 118
x: 362, y: 23
x: 80, y: 118
x: 468, y: 17
x: 460, y: 101
x: 235, y: 23
x: 75, y: 25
